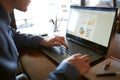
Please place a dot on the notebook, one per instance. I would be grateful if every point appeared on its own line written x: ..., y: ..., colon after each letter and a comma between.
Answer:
x: 99, y: 69
x: 89, y: 31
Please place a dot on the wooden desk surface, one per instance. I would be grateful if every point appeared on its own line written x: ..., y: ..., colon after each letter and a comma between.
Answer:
x: 38, y: 66
x: 114, y: 49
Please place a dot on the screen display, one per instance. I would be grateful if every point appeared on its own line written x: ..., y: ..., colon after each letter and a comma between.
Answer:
x: 92, y: 24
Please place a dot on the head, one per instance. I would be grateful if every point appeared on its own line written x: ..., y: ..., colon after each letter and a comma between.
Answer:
x: 15, y: 4
x: 21, y: 4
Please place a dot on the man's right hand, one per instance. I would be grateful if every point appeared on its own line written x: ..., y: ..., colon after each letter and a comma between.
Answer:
x: 81, y: 62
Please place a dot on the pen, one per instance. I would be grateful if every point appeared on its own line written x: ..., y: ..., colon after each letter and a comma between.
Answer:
x: 107, y: 65
x: 108, y: 74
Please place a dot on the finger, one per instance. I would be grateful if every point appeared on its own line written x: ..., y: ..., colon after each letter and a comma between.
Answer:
x: 77, y: 55
x: 56, y: 44
x: 85, y: 58
x: 61, y: 37
x: 61, y: 41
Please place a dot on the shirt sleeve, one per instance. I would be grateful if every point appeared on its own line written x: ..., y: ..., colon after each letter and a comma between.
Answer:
x: 65, y: 71
x: 26, y: 40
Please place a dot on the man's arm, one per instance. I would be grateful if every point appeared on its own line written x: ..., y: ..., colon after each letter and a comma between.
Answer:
x: 65, y: 71
x: 71, y: 68
x: 26, y: 40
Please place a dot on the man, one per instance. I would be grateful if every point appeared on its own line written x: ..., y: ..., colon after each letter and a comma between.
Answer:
x: 69, y: 69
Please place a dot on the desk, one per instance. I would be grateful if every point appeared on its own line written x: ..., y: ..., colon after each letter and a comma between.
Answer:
x: 114, y: 49
x: 38, y: 66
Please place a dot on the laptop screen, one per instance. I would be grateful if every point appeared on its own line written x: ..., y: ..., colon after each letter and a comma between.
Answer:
x: 91, y: 26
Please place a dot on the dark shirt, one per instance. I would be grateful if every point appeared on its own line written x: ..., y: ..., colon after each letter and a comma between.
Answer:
x: 9, y: 39
x: 65, y: 71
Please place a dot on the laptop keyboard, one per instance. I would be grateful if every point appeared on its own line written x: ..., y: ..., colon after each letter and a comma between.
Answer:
x: 59, y: 53
x: 73, y: 49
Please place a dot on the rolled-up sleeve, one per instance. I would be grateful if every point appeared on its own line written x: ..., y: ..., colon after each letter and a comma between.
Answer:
x: 65, y: 71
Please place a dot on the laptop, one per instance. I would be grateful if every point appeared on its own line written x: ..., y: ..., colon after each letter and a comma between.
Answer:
x: 89, y: 31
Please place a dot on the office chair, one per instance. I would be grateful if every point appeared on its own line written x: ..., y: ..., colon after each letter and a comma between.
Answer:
x: 22, y: 76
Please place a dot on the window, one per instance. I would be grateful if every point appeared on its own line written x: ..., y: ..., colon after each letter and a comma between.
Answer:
x: 40, y: 14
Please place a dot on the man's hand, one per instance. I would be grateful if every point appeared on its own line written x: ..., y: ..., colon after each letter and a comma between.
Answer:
x: 81, y: 62
x: 56, y: 41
